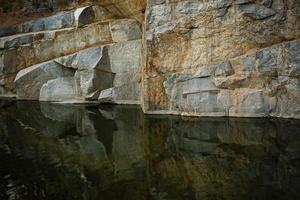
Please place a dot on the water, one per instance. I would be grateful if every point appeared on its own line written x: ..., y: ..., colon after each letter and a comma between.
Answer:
x: 65, y: 152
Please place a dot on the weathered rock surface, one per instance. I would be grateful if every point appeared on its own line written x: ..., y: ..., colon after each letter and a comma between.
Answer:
x: 66, y: 19
x: 29, y: 81
x: 222, y: 58
x: 125, y: 62
x: 124, y: 30
x: 99, y: 54
x: 252, y: 85
x: 60, y: 89
x: 95, y: 69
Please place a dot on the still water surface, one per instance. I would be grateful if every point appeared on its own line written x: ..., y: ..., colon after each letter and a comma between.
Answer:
x: 70, y: 152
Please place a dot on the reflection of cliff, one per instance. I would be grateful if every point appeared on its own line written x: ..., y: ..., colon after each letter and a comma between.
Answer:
x: 224, y: 158
x: 115, y: 152
x: 89, y: 144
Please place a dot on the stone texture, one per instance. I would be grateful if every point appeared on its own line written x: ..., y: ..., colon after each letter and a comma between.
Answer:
x: 125, y: 29
x: 57, y: 21
x: 255, y: 85
x: 66, y: 19
x: 51, y: 45
x: 222, y: 58
x: 96, y: 69
x: 115, y: 66
x: 60, y: 89
x: 29, y: 81
x: 125, y: 62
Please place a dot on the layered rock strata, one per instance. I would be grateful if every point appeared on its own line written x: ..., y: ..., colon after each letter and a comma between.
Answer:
x: 222, y: 58
x: 74, y: 62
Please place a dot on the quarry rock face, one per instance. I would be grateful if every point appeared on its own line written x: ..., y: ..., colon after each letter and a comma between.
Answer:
x: 185, y: 57
x: 113, y: 61
x: 30, y: 80
x: 222, y: 58
x: 59, y: 89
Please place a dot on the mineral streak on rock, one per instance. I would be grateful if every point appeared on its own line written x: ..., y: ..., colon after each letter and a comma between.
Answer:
x: 222, y: 58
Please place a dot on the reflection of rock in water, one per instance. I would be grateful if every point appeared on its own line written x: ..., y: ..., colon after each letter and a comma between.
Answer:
x: 105, y: 151
x: 215, y: 158
x: 115, y: 152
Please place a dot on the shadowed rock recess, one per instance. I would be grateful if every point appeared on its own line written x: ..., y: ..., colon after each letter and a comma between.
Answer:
x: 238, y: 58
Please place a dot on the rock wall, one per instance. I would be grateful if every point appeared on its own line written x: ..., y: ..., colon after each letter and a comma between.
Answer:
x: 80, y: 54
x: 189, y: 57
x: 223, y: 58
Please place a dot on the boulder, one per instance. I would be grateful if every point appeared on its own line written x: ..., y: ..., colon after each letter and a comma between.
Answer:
x: 29, y: 81
x: 128, y: 93
x: 85, y: 59
x: 60, y: 89
x: 48, y: 46
x: 90, y: 81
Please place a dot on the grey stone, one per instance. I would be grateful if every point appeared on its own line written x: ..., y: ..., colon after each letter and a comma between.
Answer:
x: 124, y: 57
x: 157, y: 2
x: 29, y: 81
x: 221, y: 82
x: 295, y: 69
x: 113, y: 66
x: 93, y: 71
x: 293, y: 49
x: 53, y: 44
x: 59, y: 89
x: 89, y: 81
x: 57, y: 21
x: 6, y: 31
x: 266, y: 3
x: 270, y: 60
x: 128, y: 93
x: 187, y: 7
x: 247, y: 102
x: 197, y: 85
x: 15, y: 41
x: 222, y: 69
x: 86, y: 59
x: 204, y: 103
x: 100, y: 12
x: 159, y: 15
x: 237, y: 2
x: 125, y: 30
x: 221, y: 12
x: 107, y: 95
x: 293, y: 53
x: 256, y: 11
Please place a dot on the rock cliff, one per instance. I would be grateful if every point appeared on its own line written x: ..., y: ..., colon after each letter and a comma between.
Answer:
x: 223, y: 58
x: 192, y: 57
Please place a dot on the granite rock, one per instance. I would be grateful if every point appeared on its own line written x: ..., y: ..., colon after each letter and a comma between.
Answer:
x: 29, y: 81
x: 60, y: 89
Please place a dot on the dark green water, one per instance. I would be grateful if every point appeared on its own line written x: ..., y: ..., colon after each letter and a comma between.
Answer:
x: 61, y: 152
